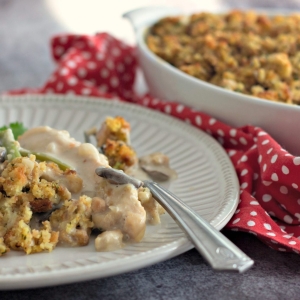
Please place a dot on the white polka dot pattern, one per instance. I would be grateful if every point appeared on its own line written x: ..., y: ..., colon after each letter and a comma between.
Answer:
x: 101, y: 65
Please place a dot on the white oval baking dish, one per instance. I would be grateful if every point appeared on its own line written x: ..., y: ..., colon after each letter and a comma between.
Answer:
x: 281, y: 120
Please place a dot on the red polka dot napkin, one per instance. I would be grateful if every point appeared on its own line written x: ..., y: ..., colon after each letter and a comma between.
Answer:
x: 269, y: 178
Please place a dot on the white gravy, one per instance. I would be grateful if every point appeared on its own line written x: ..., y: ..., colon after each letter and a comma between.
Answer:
x: 82, y: 157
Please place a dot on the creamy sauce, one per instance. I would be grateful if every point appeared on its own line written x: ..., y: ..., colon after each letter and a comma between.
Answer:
x: 83, y: 157
x: 124, y: 211
x: 137, y: 173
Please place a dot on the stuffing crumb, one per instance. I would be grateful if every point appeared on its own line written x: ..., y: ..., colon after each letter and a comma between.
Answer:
x: 22, y: 193
x: 116, y: 129
x: 114, y: 139
x: 73, y: 221
x: 120, y: 155
x: 22, y: 237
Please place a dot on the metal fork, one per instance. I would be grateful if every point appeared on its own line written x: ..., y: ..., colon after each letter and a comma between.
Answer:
x: 216, y: 249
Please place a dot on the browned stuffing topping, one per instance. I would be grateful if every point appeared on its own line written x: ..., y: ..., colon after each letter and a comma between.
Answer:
x: 114, y: 139
x: 116, y: 129
x: 246, y: 52
x: 120, y: 155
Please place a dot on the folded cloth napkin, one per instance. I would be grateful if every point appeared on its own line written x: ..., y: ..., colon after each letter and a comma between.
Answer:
x: 269, y: 206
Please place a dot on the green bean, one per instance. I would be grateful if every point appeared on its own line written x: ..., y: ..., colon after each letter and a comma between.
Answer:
x: 45, y: 157
x: 8, y: 141
x: 13, y: 150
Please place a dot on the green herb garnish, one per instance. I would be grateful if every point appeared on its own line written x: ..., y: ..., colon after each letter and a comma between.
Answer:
x: 17, y: 129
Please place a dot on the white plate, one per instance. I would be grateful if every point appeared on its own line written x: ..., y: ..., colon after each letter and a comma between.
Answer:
x: 206, y: 181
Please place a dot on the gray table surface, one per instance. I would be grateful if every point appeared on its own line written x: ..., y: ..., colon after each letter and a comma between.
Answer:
x: 25, y: 61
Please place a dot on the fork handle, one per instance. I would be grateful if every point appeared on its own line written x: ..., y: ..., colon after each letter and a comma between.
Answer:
x: 216, y: 249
